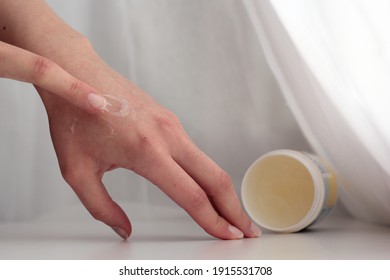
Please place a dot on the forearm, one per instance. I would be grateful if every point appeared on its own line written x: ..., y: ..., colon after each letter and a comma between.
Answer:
x: 34, y: 26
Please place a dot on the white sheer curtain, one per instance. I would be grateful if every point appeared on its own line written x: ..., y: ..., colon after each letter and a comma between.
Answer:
x: 201, y: 59
x: 332, y: 60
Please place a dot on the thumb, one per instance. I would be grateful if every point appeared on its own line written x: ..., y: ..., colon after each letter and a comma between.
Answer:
x: 94, y: 196
x: 22, y: 65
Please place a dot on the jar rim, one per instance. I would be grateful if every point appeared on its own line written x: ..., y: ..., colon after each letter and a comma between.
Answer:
x: 318, y: 183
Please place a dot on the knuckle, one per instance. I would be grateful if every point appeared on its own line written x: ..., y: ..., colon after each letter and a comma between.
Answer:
x: 70, y: 175
x: 40, y: 67
x: 172, y: 117
x: 224, y: 182
x: 168, y: 122
x: 198, y: 199
x: 224, y: 179
x: 74, y: 89
x: 98, y: 213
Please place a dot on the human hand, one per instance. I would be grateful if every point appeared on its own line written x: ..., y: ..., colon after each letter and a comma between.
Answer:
x: 19, y: 64
x: 145, y: 138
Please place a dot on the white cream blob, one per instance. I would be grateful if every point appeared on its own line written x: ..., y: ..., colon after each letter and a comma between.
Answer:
x: 116, y: 106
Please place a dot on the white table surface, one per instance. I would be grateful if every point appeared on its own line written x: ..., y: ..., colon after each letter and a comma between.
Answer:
x: 166, y: 233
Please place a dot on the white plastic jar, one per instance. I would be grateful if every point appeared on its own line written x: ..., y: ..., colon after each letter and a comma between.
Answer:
x: 287, y: 191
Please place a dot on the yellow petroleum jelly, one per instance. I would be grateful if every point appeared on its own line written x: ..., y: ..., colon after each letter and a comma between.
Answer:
x: 287, y: 190
x: 282, y: 190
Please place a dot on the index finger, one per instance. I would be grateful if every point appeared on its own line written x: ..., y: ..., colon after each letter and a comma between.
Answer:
x: 22, y: 65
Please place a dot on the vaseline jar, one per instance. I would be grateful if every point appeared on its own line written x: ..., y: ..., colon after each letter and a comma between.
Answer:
x: 287, y: 191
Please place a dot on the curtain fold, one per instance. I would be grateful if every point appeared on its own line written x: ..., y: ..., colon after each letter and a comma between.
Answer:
x: 331, y: 58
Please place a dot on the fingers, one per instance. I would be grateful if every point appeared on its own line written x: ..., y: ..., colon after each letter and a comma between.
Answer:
x: 182, y: 189
x: 218, y: 186
x: 22, y: 65
x: 92, y: 193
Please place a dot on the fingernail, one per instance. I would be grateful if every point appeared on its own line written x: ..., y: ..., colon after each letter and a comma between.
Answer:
x: 236, y: 232
x: 121, y: 232
x: 256, y: 231
x: 96, y: 101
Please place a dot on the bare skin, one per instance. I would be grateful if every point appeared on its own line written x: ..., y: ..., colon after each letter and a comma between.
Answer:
x: 89, y: 140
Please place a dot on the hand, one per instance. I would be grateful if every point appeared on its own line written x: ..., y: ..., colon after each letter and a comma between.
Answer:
x: 22, y: 65
x: 146, y: 139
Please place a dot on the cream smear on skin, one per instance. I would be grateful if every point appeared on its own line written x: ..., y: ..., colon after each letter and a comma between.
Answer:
x: 116, y: 106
